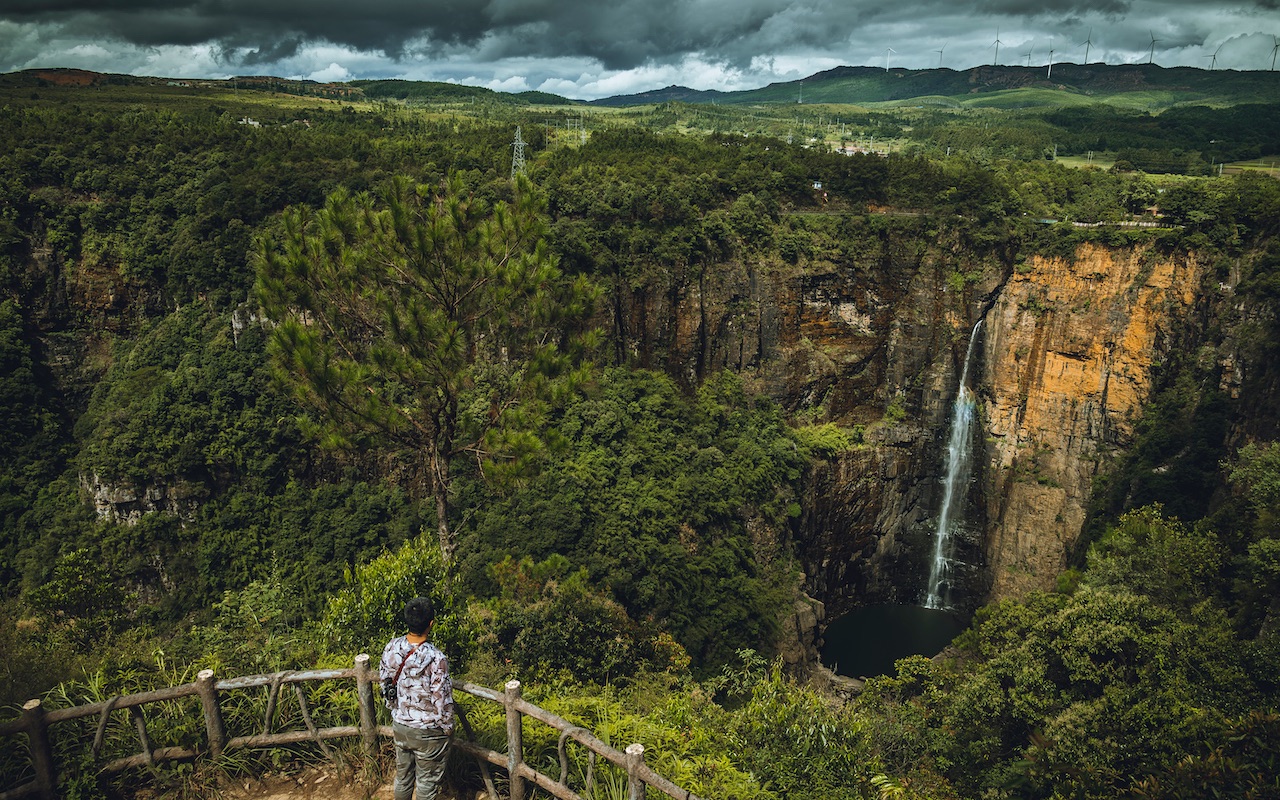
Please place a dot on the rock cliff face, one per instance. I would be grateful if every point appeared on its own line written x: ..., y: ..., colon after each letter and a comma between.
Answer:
x: 127, y: 504
x: 1070, y: 348
x: 834, y: 340
x: 1071, y: 355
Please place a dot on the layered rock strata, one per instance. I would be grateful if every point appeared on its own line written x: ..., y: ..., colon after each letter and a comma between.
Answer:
x: 1073, y: 349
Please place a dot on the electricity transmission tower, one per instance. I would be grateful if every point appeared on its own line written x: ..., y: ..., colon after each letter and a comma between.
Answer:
x: 517, y: 154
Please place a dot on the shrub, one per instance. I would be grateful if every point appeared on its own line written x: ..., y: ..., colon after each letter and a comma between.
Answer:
x: 365, y: 613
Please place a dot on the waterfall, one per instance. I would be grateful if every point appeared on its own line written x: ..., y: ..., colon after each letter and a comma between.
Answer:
x: 959, y: 465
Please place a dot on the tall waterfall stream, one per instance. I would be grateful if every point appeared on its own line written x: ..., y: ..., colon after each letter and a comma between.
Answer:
x: 957, y: 469
x: 869, y: 639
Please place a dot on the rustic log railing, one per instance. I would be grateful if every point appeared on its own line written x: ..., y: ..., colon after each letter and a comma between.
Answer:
x: 36, y: 722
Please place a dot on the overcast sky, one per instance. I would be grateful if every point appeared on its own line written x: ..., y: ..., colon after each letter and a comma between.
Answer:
x: 589, y: 50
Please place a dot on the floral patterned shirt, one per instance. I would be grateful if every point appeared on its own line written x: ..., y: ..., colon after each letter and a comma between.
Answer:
x: 425, y: 690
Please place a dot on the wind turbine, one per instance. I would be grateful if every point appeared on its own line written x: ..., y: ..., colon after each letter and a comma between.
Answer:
x: 1049, y: 74
x: 1214, y: 62
x: 1028, y: 55
x: 1088, y: 42
x: 1274, y: 50
x: 996, y: 45
x: 1151, y: 57
x: 944, y: 47
x: 887, y: 51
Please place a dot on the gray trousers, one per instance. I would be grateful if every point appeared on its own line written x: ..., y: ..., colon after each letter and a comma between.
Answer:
x: 420, y: 759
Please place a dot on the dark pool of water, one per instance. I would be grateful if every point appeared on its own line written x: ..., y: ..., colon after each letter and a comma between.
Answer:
x: 866, y: 641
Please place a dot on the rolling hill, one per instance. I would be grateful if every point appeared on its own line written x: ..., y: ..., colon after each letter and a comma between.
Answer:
x: 1145, y: 86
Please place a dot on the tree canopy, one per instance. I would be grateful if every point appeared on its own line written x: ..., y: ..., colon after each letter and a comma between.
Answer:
x: 394, y: 309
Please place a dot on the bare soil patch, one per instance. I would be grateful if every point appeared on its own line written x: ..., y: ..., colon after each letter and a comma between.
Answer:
x: 319, y: 783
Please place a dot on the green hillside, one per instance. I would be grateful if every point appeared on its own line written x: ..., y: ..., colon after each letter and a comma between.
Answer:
x: 706, y: 328
x: 437, y: 92
x: 1144, y: 86
x: 158, y: 87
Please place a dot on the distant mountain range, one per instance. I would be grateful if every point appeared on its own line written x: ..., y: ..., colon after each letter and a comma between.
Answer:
x: 1141, y: 86
x: 421, y: 91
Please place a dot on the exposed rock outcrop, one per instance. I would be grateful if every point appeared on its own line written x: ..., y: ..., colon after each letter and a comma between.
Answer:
x: 883, y: 327
x: 798, y: 642
x: 124, y: 502
x: 1073, y: 347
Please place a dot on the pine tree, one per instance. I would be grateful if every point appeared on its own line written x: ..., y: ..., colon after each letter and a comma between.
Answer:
x: 427, y: 320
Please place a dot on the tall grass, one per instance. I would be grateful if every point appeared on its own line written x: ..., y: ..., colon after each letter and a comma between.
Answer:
x: 180, y: 723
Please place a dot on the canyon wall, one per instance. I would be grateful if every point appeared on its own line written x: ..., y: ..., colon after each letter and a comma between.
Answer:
x: 1071, y: 357
x: 1071, y: 348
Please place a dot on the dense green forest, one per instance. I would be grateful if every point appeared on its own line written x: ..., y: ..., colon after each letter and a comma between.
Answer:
x: 173, y: 496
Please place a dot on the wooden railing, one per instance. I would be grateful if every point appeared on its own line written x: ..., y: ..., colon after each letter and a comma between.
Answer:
x: 36, y: 722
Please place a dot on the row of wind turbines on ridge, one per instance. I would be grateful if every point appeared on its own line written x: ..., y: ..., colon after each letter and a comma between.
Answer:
x: 1087, y: 44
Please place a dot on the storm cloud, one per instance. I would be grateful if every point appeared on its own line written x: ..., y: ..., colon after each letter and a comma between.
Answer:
x: 587, y: 49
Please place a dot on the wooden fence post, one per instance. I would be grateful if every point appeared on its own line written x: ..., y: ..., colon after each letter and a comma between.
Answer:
x: 364, y: 695
x: 207, y: 689
x: 40, y: 749
x: 515, y: 741
x: 635, y: 760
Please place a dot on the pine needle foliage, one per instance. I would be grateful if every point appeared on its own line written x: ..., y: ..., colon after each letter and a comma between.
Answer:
x: 424, y: 318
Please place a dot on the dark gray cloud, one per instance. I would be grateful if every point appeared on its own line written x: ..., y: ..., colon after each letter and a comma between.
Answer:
x: 620, y: 35
x: 1078, y: 8
x: 582, y: 43
x: 383, y: 25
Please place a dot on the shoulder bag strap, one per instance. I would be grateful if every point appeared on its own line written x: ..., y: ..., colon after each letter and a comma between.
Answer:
x: 396, y: 679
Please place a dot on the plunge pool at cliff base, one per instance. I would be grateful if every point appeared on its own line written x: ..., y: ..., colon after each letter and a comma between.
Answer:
x: 866, y: 641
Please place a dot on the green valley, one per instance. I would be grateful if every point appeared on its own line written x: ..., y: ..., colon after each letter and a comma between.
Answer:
x: 690, y: 406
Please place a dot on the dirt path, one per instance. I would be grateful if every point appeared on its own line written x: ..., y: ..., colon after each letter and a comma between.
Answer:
x: 321, y: 783
x: 316, y: 784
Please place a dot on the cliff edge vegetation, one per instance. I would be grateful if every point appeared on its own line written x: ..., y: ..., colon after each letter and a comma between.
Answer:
x: 766, y: 339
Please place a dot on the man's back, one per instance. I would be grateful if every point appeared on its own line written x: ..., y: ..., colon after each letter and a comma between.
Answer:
x: 424, y: 689
x: 422, y: 711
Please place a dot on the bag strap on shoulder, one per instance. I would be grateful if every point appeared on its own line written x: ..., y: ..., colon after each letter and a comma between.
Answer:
x: 396, y: 679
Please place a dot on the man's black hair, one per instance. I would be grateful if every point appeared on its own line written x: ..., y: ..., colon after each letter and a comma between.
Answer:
x: 419, y: 614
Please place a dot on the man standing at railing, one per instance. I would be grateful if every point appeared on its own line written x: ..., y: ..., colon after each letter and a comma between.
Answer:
x: 418, y: 690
